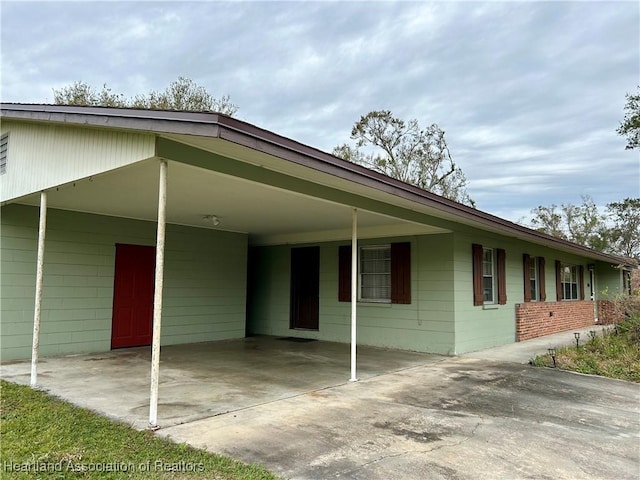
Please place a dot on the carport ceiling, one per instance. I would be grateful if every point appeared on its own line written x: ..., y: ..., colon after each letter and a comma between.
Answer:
x: 269, y: 215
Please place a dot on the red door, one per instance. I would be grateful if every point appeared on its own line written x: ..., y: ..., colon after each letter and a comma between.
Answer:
x: 133, y: 296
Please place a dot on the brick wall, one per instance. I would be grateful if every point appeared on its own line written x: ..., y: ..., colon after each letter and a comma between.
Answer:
x: 535, y: 319
x: 607, y: 314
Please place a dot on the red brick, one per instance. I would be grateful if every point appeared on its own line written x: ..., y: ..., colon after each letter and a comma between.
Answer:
x: 533, y: 319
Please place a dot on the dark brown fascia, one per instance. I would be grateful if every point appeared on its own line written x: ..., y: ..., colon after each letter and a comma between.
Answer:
x: 215, y: 125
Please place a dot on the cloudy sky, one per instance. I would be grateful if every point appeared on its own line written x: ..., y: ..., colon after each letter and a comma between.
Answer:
x: 529, y: 93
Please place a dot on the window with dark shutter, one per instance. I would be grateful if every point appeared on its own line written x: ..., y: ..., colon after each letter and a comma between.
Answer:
x: 372, y: 274
x: 478, y: 293
x: 526, y: 268
x: 558, y: 280
x: 541, y: 282
x: 533, y: 272
x: 502, y: 276
x: 4, y: 148
x: 401, y: 273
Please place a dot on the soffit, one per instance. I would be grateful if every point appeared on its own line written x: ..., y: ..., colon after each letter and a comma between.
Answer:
x: 269, y: 215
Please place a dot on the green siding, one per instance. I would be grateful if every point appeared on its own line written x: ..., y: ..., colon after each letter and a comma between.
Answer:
x: 478, y: 327
x: 424, y: 325
x: 204, y: 286
x: 608, y: 280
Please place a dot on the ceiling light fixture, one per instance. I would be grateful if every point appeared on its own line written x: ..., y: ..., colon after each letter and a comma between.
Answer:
x: 213, y: 219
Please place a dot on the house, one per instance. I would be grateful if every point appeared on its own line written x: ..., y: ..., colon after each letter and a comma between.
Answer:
x: 233, y: 230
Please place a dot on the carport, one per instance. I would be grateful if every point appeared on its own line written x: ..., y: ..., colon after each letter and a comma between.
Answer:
x: 223, y: 177
x: 207, y: 379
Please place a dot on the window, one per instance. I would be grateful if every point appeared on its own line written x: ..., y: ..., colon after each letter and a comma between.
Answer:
x: 375, y: 274
x: 533, y: 278
x: 533, y: 268
x: 569, y: 281
x: 488, y: 284
x: 384, y: 273
x: 4, y: 147
x: 489, y: 275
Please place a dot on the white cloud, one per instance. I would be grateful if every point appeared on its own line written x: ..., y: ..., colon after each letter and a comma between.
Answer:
x: 529, y: 93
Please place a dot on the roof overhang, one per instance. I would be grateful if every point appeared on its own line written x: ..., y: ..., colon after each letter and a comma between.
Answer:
x: 211, y: 131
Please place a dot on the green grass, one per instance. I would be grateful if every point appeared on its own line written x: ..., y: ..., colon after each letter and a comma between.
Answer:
x: 614, y: 354
x: 53, y: 439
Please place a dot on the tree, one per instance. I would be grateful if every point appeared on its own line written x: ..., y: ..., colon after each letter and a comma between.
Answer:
x: 625, y: 230
x: 630, y: 126
x: 181, y: 94
x: 80, y: 93
x: 407, y: 152
x: 616, y: 231
x: 582, y: 224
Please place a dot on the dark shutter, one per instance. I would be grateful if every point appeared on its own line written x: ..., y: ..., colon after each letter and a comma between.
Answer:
x: 502, y: 276
x: 478, y: 295
x: 541, y: 283
x: 558, y: 280
x: 581, y: 281
x: 344, y: 273
x: 526, y: 267
x: 401, y: 272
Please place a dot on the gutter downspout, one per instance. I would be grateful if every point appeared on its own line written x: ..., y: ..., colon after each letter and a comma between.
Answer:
x: 157, y: 296
x: 38, y: 298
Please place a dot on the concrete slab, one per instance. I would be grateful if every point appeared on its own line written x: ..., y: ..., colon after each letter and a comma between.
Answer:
x: 523, y: 352
x: 289, y: 407
x: 461, y: 418
x: 205, y: 379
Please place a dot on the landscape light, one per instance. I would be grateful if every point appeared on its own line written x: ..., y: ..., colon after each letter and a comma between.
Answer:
x: 552, y: 353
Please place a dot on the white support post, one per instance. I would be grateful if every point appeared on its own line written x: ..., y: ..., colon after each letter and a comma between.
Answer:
x: 157, y: 296
x: 38, y: 299
x: 354, y: 292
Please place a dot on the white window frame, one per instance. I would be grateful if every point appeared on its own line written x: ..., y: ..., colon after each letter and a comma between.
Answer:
x: 573, y: 280
x: 533, y: 269
x: 492, y: 251
x: 361, y: 275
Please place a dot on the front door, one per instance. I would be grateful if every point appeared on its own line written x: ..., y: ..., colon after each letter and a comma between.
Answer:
x: 305, y: 287
x: 133, y: 296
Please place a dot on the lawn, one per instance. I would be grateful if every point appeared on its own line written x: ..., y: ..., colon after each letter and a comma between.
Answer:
x: 44, y: 437
x: 613, y: 353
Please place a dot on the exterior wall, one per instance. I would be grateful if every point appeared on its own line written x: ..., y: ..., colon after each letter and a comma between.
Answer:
x: 424, y: 325
x: 608, y: 280
x: 535, y: 319
x: 441, y: 317
x: 204, y: 286
x: 44, y: 156
x: 478, y: 327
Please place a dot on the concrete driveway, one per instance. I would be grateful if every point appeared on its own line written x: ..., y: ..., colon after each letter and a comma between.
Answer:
x: 460, y: 418
x: 411, y: 416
